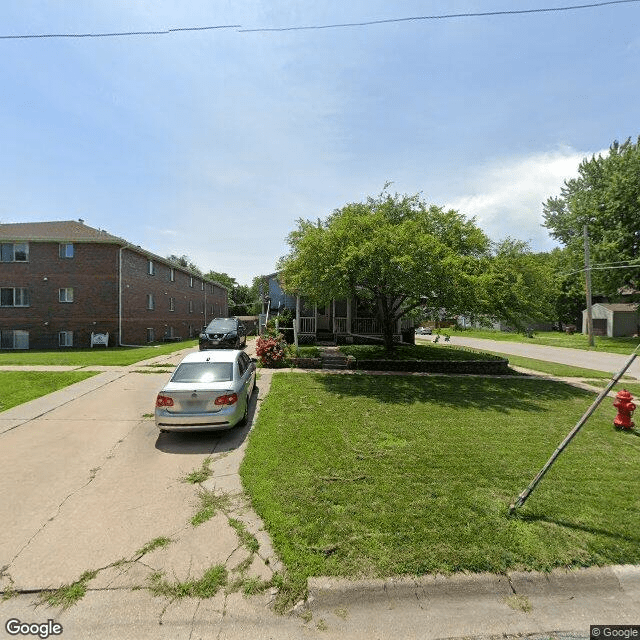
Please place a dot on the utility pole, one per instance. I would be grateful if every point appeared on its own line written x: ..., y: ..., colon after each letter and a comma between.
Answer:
x: 587, y: 272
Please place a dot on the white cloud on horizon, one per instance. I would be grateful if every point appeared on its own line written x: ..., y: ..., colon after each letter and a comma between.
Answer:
x: 506, y: 195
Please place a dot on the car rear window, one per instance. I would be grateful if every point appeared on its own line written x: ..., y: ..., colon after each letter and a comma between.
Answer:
x: 221, y: 325
x: 203, y: 372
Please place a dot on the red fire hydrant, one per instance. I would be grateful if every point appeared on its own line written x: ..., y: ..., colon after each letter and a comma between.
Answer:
x: 625, y: 408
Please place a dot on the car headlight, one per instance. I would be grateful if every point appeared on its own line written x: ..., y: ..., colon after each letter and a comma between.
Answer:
x: 204, y: 336
x: 232, y: 334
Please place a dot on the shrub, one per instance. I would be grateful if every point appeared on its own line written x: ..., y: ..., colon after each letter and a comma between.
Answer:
x: 271, y: 350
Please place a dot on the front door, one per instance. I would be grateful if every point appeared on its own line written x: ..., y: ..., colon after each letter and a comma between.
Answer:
x: 323, y: 316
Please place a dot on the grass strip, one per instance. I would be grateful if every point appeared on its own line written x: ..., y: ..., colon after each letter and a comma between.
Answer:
x: 18, y: 387
x: 111, y: 356
x: 372, y: 476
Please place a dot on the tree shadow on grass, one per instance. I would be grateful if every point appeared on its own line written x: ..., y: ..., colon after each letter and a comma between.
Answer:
x: 534, y: 517
x: 501, y: 394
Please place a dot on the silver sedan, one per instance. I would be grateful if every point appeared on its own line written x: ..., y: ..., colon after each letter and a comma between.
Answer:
x: 208, y: 390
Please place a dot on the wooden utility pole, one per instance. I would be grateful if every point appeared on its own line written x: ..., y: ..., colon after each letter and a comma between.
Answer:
x: 587, y: 272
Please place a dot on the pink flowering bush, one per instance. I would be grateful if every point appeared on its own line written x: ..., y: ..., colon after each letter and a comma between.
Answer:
x: 271, y: 350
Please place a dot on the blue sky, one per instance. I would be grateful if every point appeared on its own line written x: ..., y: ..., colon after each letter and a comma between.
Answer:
x: 213, y: 143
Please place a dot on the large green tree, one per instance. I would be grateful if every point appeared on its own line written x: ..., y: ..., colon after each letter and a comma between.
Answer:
x: 606, y: 197
x: 244, y: 300
x: 398, y: 252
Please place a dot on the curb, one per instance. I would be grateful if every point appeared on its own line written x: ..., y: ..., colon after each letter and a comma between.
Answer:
x: 327, y: 592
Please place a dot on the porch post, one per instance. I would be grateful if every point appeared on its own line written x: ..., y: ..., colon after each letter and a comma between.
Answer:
x: 349, y: 316
x: 333, y: 319
x: 297, y: 331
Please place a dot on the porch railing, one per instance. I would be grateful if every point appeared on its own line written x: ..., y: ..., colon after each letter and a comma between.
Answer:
x: 340, y: 325
x: 307, y: 325
x: 366, y: 326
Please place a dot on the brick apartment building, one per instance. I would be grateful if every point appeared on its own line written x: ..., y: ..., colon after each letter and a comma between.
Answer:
x: 62, y: 281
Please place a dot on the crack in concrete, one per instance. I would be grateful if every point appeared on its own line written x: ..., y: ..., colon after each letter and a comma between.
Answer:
x: 92, y: 476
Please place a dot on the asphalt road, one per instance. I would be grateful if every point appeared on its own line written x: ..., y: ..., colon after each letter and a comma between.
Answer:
x: 598, y: 360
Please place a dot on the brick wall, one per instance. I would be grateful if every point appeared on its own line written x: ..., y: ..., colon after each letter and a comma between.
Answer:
x: 93, y: 274
x: 194, y: 301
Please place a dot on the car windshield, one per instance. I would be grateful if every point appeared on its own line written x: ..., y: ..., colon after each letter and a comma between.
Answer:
x: 203, y: 372
x: 221, y: 325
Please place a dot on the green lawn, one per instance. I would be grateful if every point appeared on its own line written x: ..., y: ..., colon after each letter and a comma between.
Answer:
x: 111, y: 356
x: 374, y: 476
x: 553, y: 339
x: 17, y: 387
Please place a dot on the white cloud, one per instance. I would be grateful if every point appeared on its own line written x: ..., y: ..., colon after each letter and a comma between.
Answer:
x: 506, y: 195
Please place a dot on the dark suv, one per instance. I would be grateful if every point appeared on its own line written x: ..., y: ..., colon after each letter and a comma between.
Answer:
x: 223, y: 333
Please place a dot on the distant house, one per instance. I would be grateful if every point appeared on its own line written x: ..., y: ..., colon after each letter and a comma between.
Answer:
x: 341, y: 321
x: 613, y: 319
x: 61, y: 282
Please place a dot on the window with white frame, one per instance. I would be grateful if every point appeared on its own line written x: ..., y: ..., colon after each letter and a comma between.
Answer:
x: 66, y: 250
x: 65, y: 338
x: 172, y: 304
x: 191, y: 281
x: 14, y: 252
x: 151, y: 268
x: 190, y: 306
x: 14, y: 297
x: 65, y: 295
x: 151, y: 303
x: 172, y: 274
x: 14, y: 339
x: 150, y: 334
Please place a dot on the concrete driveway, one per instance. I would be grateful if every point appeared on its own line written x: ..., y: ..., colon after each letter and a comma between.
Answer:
x: 88, y: 484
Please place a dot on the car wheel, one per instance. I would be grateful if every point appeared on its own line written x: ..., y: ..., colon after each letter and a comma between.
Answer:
x: 245, y: 417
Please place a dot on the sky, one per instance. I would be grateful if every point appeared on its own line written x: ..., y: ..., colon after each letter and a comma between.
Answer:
x: 212, y: 143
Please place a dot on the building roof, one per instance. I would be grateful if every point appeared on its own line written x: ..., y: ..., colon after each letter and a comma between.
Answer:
x: 619, y: 306
x: 61, y: 231
x: 77, y: 231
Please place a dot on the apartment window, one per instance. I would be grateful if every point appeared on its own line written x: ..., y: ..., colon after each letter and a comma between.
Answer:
x: 14, y: 339
x: 191, y: 281
x: 66, y: 250
x: 172, y: 304
x: 151, y: 303
x: 14, y: 252
x: 172, y: 274
x: 65, y: 338
x: 202, y: 286
x: 151, y: 268
x: 190, y: 306
x: 14, y: 297
x: 150, y: 334
x: 65, y: 295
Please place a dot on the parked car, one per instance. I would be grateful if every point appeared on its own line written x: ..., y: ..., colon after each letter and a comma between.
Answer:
x: 209, y: 390
x: 424, y: 331
x: 223, y: 333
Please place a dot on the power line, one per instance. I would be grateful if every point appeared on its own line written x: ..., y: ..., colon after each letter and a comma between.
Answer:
x: 117, y: 34
x: 238, y: 27
x: 445, y: 16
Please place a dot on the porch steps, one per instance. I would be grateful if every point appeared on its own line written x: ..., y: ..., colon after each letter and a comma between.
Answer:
x: 334, y: 361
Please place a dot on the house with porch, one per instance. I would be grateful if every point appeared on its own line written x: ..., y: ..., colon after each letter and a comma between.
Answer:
x: 344, y: 321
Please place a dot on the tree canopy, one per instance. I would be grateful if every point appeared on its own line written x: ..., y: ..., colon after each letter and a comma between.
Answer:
x: 606, y: 197
x: 401, y: 253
